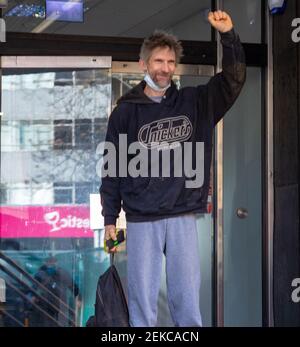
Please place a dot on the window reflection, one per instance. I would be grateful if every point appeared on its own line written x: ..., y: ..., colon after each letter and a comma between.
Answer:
x: 54, y: 121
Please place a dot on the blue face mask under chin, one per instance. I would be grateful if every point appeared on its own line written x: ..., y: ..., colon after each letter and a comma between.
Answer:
x: 153, y: 85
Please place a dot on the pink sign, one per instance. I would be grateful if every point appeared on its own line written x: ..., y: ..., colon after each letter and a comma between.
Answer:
x: 45, y: 221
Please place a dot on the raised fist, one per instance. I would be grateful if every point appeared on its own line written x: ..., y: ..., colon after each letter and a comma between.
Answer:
x: 220, y: 20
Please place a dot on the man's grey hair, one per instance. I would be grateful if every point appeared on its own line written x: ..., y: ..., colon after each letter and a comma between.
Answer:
x: 162, y: 39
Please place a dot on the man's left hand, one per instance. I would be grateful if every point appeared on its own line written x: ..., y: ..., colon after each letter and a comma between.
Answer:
x: 220, y: 20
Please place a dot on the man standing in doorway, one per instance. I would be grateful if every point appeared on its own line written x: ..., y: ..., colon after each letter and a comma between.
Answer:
x: 161, y: 211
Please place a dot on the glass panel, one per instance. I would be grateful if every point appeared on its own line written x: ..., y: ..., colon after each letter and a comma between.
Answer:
x: 243, y: 207
x: 186, y: 19
x: 118, y: 18
x: 195, y: 26
x: 246, y: 16
x: 53, y: 121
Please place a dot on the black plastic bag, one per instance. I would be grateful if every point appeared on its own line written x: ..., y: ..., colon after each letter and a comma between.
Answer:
x: 111, y: 306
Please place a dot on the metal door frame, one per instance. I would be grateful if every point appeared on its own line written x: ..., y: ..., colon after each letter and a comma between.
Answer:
x: 60, y: 62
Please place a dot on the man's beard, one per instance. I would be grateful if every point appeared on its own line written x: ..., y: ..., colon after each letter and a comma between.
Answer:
x: 161, y: 83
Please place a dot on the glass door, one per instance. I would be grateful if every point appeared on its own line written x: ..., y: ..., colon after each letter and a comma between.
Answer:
x: 55, y: 112
x: 242, y: 206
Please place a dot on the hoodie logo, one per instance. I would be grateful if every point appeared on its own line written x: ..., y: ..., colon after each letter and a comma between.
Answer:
x: 168, y: 130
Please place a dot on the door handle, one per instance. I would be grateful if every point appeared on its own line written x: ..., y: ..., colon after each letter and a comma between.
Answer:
x: 242, y: 212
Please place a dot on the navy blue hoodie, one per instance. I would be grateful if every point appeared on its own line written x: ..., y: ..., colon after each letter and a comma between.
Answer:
x: 189, y: 114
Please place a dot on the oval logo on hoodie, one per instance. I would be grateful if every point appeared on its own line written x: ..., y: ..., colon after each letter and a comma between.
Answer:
x: 166, y: 130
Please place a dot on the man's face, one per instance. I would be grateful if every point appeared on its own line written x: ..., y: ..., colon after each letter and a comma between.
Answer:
x: 161, y: 65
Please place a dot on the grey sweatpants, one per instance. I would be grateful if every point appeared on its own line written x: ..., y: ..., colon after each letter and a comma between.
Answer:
x: 147, y: 243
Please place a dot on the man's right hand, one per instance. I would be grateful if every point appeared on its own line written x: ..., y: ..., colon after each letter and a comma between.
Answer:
x: 110, y: 233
